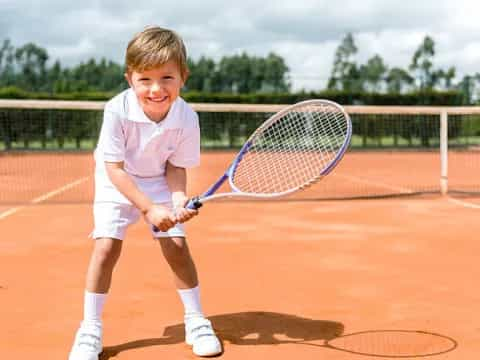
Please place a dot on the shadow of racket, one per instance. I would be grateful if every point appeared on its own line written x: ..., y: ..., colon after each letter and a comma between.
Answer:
x: 389, y: 343
x: 270, y: 328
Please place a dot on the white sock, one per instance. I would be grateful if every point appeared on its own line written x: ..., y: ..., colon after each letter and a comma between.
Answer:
x: 191, y: 302
x: 93, y: 307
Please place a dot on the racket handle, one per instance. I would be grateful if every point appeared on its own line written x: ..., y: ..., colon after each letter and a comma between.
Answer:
x: 193, y: 203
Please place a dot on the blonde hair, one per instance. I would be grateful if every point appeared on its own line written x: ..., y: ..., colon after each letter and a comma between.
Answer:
x: 153, y: 47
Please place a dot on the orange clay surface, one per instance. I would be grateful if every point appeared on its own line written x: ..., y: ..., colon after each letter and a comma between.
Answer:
x: 278, y: 279
x: 67, y: 177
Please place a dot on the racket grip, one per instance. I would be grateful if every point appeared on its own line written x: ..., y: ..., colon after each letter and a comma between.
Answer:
x: 193, y: 203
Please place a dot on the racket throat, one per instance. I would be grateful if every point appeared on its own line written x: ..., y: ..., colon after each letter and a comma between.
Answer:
x: 194, y: 203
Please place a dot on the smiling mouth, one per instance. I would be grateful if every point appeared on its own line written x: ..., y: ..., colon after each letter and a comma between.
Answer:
x: 158, y: 100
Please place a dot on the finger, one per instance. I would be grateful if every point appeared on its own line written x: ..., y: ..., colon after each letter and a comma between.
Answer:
x: 192, y: 212
x: 181, y: 214
x: 167, y: 225
x: 181, y: 218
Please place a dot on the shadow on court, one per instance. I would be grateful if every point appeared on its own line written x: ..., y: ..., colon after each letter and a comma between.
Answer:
x: 245, y: 328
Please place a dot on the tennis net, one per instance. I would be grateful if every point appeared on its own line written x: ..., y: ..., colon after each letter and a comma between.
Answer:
x: 46, y: 150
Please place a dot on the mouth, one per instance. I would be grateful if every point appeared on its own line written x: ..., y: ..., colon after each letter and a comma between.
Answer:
x: 157, y: 100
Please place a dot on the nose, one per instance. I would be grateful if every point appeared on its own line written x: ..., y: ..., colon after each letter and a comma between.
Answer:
x: 155, y: 87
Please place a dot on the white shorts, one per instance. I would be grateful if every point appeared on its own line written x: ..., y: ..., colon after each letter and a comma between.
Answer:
x: 111, y: 220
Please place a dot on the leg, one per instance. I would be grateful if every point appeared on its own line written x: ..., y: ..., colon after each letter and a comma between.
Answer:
x: 105, y: 255
x: 111, y: 222
x: 199, y: 332
x: 176, y: 252
x: 88, y: 340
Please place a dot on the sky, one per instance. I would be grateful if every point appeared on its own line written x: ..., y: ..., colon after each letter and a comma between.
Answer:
x: 305, y: 33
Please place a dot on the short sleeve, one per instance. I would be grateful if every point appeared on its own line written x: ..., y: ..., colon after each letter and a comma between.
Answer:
x: 187, y: 153
x: 112, y: 138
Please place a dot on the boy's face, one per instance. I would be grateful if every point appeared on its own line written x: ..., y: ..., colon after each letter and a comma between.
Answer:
x: 157, y: 88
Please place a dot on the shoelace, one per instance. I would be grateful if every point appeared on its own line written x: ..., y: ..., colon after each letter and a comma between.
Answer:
x: 90, y: 341
x: 198, y: 334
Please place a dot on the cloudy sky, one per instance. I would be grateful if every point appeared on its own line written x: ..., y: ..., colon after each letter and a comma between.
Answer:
x: 304, y: 32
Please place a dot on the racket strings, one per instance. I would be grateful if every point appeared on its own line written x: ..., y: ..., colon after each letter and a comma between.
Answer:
x: 292, y: 151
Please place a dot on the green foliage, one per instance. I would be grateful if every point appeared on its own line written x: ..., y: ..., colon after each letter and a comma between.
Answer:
x: 48, y: 129
x: 26, y: 68
x: 345, y: 68
x: 238, y: 74
x: 24, y: 73
x: 397, y: 79
x: 13, y: 92
x: 422, y: 68
x: 439, y: 98
x: 432, y: 97
x: 373, y: 74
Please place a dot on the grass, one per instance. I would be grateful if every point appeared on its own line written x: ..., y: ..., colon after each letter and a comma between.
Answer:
x: 51, y: 145
x: 357, y: 142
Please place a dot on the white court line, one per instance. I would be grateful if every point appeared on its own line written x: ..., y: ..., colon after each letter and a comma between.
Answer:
x: 377, y: 184
x: 463, y: 203
x: 10, y: 211
x: 59, y: 190
x: 45, y: 196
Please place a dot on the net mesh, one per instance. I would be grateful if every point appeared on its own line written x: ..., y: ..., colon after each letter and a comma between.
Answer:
x: 293, y: 150
x: 46, y: 151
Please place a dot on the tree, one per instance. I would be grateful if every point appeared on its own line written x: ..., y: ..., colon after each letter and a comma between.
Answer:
x: 422, y: 64
x: 201, y: 74
x: 55, y: 78
x: 31, y: 60
x: 244, y: 74
x: 446, y: 77
x: 398, y: 80
x: 469, y: 86
x: 373, y: 74
x: 7, y: 70
x: 275, y: 72
x: 344, y: 73
x: 112, y: 76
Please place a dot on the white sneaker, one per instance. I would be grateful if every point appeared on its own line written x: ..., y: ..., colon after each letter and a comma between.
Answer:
x: 88, y: 342
x: 200, y: 335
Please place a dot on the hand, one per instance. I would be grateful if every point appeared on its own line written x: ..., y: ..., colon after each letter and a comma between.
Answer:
x: 181, y: 212
x: 161, y: 217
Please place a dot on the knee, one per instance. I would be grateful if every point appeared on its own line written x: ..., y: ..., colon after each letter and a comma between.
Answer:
x: 107, y: 252
x: 176, y: 251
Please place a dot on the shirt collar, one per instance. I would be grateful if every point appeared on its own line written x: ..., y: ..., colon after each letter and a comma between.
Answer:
x: 135, y: 112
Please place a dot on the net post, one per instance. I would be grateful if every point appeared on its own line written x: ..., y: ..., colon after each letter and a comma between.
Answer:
x: 444, y: 152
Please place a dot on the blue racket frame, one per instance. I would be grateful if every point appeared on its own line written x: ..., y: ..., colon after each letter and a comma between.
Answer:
x: 197, y: 202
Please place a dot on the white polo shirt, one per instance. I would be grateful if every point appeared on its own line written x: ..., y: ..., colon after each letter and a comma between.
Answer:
x: 144, y: 146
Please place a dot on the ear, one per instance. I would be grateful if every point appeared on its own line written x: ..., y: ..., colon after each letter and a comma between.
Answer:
x: 128, y: 77
x: 185, y: 77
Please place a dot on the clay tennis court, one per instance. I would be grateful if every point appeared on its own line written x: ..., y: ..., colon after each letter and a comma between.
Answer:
x: 332, y: 279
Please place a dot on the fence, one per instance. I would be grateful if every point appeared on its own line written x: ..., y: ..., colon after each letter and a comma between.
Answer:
x: 46, y: 145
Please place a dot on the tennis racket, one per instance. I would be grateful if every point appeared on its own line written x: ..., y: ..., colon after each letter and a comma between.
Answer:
x: 291, y: 150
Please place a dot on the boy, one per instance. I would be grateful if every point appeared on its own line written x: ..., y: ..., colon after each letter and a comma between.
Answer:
x: 149, y: 136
